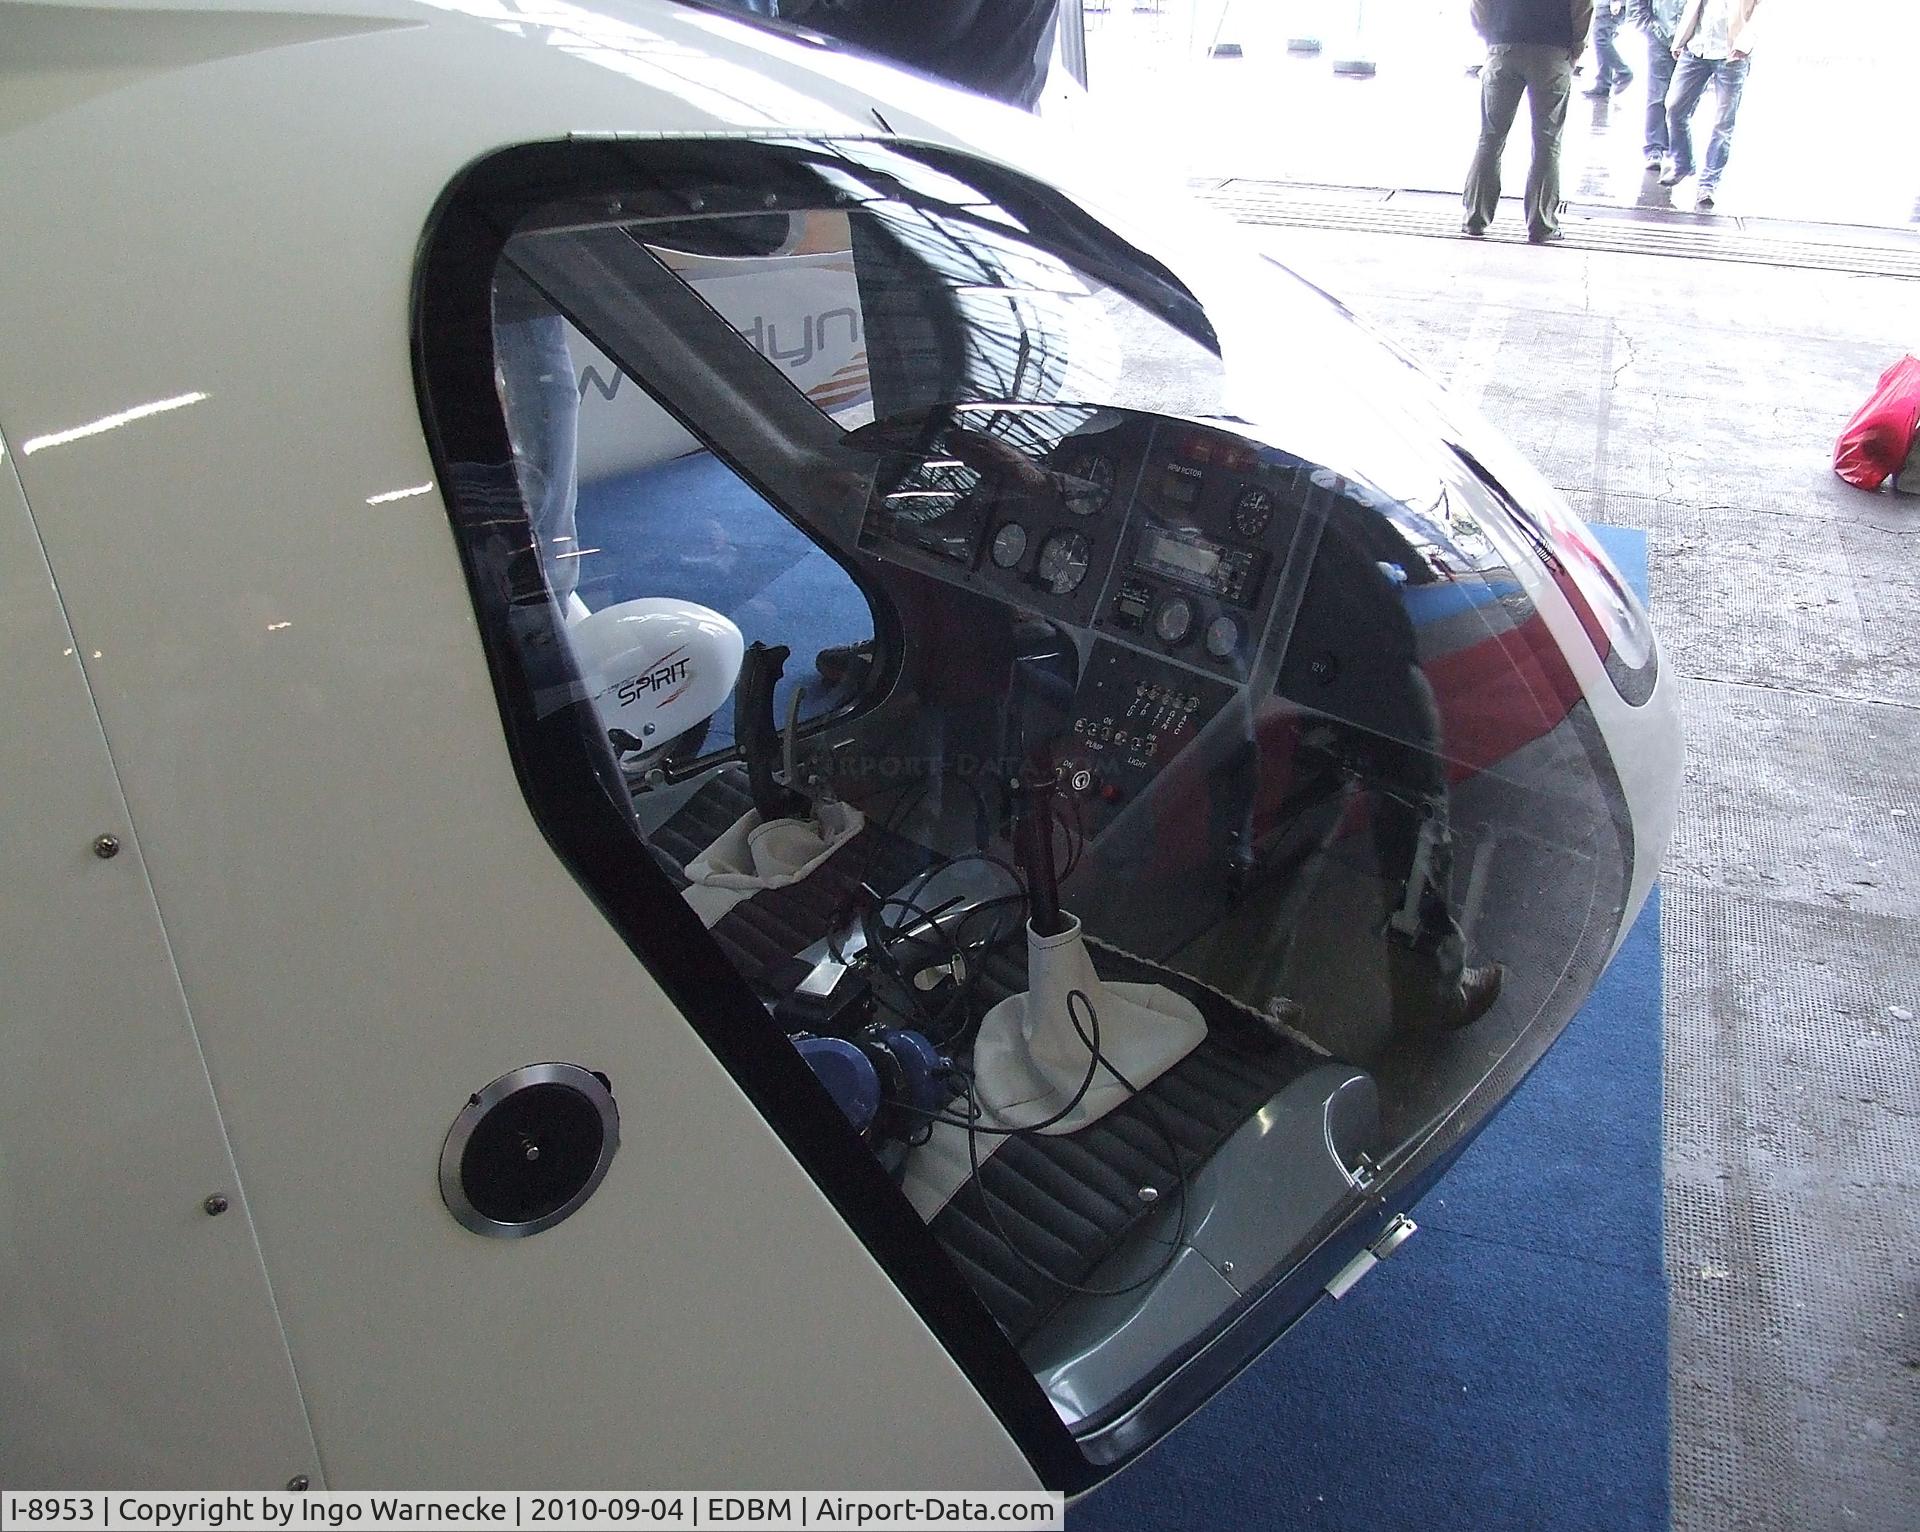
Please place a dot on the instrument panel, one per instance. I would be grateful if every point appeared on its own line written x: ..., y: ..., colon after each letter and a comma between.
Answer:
x: 1162, y: 542
x: 1165, y: 535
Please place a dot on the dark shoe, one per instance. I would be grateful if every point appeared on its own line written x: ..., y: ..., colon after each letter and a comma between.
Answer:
x: 1654, y: 163
x: 1548, y: 237
x: 1425, y: 1000
x: 1621, y: 83
x: 1598, y: 93
x: 1473, y: 230
x: 1703, y: 203
x: 837, y: 663
x: 1479, y: 989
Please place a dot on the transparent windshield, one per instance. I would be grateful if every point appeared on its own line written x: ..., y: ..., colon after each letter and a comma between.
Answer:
x: 1107, y: 720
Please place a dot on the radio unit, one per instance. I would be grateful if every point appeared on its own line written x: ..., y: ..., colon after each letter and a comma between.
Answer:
x: 1188, y: 559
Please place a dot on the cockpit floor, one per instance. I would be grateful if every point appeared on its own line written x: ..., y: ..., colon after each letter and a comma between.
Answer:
x: 1045, y: 1211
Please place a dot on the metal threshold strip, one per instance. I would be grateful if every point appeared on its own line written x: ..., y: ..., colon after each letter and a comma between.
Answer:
x: 1613, y: 230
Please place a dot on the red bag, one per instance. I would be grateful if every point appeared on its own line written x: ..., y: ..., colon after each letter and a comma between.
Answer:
x: 1878, y: 438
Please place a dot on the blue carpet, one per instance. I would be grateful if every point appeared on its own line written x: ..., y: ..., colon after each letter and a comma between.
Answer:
x: 1507, y: 1369
x: 690, y: 528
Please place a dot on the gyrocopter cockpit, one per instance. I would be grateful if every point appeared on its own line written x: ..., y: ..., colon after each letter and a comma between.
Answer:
x: 1104, y: 718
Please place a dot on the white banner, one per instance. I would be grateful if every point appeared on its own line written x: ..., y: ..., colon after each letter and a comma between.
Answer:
x: 668, y: 1510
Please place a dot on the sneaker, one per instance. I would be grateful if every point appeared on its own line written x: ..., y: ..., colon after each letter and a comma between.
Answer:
x: 1598, y: 93
x: 1547, y: 237
x: 1621, y: 82
x: 1425, y: 1002
x: 1656, y: 163
x: 1473, y: 230
x: 1673, y: 175
x: 1479, y: 989
x: 1703, y: 203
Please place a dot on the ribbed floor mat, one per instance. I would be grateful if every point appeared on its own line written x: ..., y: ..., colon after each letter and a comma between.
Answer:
x: 1068, y: 1203
x: 759, y: 932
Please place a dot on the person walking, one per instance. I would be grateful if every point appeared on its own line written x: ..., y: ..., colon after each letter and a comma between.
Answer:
x: 1712, y: 43
x: 1531, y: 48
x: 1659, y: 19
x: 1611, y: 72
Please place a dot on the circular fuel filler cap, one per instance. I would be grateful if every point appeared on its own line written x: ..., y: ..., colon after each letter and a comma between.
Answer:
x: 528, y: 1150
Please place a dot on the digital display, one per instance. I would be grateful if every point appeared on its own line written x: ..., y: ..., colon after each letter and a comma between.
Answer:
x: 1181, y: 485
x: 1178, y: 557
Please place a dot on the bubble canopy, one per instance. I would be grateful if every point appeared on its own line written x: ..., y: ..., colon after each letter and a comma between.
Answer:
x: 1156, y: 754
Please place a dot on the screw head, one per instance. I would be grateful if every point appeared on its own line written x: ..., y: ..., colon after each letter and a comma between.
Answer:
x: 215, y: 1205
x: 106, y: 847
x: 298, y: 1483
x: 1226, y: 1268
x: 1149, y: 1194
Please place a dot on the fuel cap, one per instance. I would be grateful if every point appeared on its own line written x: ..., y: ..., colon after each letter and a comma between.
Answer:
x: 528, y: 1150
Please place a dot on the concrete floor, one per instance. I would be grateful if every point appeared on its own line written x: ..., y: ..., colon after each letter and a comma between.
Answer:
x: 1699, y: 400
x: 1269, y: 116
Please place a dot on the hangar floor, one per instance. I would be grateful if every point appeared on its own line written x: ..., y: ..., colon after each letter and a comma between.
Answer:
x: 1698, y: 400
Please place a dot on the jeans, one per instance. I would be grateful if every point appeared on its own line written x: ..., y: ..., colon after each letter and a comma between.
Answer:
x: 1660, y: 63
x: 1545, y: 75
x: 1690, y: 77
x: 1612, y: 69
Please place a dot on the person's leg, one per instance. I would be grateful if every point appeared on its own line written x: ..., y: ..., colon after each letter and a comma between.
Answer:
x: 1690, y: 76
x: 1501, y: 83
x: 1610, y: 69
x: 1549, y: 88
x: 1659, y: 77
x: 1729, y: 83
x: 1427, y: 975
x: 1602, y: 49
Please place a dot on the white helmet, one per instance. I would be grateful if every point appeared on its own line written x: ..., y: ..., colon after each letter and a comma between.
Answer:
x: 655, y: 667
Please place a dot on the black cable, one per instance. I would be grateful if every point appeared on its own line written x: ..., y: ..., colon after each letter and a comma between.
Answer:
x: 972, y: 1122
x: 897, y: 816
x: 1076, y: 837
x: 947, y: 1023
x: 1097, y: 1061
x: 993, y: 859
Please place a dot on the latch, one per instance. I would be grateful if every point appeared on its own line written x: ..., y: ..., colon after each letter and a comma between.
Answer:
x: 1391, y: 1239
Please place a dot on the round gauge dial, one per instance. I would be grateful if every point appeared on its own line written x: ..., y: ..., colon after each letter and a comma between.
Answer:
x: 1088, y: 484
x: 1063, y: 562
x: 1223, y: 637
x: 1174, y: 621
x: 1009, y: 545
x: 1252, y: 511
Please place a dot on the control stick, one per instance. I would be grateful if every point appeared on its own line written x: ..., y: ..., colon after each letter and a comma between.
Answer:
x: 1033, y: 844
x: 1033, y: 1062
x: 758, y: 736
